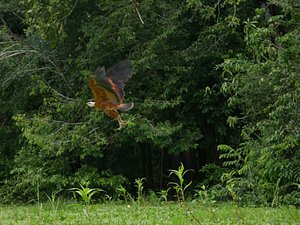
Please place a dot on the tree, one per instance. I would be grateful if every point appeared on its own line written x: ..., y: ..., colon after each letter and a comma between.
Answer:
x: 265, y: 83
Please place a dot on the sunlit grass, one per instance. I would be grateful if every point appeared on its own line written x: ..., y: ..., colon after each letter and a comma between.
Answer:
x: 167, y: 213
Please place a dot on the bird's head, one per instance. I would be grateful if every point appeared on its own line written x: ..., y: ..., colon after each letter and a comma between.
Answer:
x: 91, y: 104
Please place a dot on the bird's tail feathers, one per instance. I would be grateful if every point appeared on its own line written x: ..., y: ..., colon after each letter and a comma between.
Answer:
x: 126, y: 106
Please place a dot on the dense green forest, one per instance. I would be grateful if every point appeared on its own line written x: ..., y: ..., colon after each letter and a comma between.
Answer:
x: 216, y: 87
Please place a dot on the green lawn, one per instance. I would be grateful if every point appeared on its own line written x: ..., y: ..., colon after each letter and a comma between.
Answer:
x: 170, y: 213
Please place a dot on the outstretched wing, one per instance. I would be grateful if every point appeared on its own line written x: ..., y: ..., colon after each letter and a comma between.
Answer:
x: 118, y: 75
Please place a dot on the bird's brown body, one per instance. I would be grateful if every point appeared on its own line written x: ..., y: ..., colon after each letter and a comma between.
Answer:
x: 108, y: 90
x: 103, y: 100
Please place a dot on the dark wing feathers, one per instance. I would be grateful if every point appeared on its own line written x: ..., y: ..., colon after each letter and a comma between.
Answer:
x: 100, y: 73
x: 113, y: 80
x: 119, y: 74
x: 101, y: 78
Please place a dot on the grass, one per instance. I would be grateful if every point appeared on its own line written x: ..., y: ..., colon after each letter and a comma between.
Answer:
x: 167, y: 213
x: 144, y: 210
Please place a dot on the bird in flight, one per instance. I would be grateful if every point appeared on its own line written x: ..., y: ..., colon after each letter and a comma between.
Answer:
x: 108, y: 89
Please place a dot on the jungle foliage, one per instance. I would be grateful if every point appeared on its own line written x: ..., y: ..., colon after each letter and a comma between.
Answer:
x: 215, y: 85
